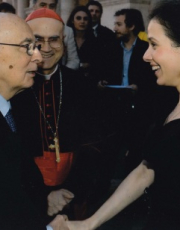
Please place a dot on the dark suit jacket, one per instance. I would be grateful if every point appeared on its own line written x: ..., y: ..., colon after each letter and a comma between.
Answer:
x: 20, y: 181
x: 138, y: 68
x: 104, y: 35
x: 105, y: 41
x: 139, y: 73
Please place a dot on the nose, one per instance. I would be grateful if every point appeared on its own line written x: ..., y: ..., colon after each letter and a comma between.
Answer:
x: 36, y: 57
x: 46, y: 46
x: 147, y: 55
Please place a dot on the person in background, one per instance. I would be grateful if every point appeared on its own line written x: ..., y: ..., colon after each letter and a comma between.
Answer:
x: 101, y: 32
x: 70, y: 57
x: 50, y: 4
x: 21, y: 205
x: 105, y: 39
x: 128, y: 23
x: 81, y: 23
x: 131, y: 106
x: 157, y: 177
x: 7, y: 8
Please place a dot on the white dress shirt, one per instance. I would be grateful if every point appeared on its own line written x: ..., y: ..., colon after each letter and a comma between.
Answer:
x: 5, y: 106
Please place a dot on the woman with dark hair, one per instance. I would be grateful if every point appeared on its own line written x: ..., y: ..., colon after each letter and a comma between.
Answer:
x: 81, y: 23
x: 158, y: 175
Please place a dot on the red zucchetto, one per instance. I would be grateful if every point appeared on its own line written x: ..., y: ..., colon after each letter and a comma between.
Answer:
x: 43, y: 13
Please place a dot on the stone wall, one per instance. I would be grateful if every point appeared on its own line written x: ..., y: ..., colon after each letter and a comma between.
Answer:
x: 24, y: 7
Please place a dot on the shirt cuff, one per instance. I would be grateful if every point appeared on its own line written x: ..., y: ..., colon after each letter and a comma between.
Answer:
x: 49, y: 227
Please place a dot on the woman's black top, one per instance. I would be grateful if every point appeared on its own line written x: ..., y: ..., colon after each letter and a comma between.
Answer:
x: 162, y: 152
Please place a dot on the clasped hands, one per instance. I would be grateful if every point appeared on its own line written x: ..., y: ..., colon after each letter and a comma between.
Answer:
x: 61, y: 222
x: 57, y: 200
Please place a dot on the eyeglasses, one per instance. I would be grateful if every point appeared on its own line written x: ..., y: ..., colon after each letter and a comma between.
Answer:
x: 29, y: 47
x: 54, y: 42
x: 80, y: 18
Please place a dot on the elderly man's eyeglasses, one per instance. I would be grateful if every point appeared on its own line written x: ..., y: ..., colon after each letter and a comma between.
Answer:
x: 54, y: 42
x: 29, y: 47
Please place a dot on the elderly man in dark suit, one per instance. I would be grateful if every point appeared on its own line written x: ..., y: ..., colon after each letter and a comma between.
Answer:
x: 21, y: 182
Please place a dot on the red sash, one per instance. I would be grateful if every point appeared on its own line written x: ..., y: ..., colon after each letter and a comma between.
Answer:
x: 54, y: 173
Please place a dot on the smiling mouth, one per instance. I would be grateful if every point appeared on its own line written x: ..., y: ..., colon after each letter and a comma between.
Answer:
x: 155, y: 68
x: 47, y: 56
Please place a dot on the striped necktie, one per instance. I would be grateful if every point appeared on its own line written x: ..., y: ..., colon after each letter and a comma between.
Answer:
x: 10, y: 120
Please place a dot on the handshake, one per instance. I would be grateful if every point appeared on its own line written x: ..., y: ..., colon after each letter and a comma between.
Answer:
x: 57, y: 200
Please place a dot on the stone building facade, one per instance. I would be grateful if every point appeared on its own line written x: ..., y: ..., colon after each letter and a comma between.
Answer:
x: 24, y: 7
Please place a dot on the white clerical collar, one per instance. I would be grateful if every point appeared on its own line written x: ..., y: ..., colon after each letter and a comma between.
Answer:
x: 4, y: 106
x: 48, y: 76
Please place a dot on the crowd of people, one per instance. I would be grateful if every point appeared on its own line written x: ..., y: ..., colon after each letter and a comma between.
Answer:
x: 76, y: 95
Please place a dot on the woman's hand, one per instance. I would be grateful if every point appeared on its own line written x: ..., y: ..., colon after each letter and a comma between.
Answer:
x: 59, y: 222
x: 78, y: 225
